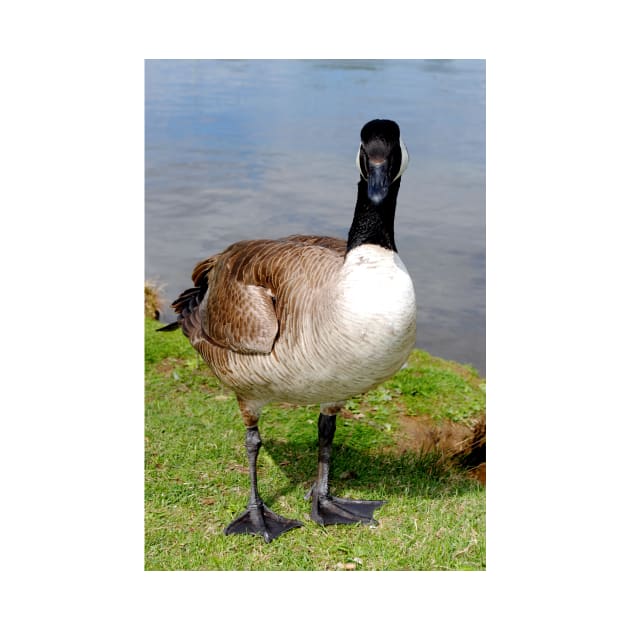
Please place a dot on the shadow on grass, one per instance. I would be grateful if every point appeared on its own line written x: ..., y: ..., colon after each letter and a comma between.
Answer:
x: 369, y: 474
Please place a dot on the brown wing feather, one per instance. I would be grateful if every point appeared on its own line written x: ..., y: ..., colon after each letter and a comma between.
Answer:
x: 237, y: 314
x: 240, y: 296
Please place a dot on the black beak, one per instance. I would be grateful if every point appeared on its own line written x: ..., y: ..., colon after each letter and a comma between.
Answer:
x: 378, y: 181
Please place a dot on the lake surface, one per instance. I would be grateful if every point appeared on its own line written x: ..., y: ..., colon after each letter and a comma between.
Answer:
x: 263, y: 149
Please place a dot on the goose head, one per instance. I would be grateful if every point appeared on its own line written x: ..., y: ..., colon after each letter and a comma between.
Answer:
x: 382, y: 157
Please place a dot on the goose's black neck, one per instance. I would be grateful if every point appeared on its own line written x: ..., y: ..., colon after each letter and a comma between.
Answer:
x: 374, y: 223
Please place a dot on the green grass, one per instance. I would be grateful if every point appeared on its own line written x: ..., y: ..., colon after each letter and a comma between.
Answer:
x: 197, y: 481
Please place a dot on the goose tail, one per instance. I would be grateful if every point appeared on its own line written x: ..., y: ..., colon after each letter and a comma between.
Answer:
x: 186, y: 305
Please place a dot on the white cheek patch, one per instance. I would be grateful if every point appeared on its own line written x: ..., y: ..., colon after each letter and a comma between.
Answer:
x: 359, y: 163
x: 404, y: 161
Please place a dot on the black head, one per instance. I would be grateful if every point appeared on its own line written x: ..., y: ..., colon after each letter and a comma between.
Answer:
x: 382, y: 157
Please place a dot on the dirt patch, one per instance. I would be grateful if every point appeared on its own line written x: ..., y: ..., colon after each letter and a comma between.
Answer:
x: 420, y: 434
x: 465, y: 446
x: 479, y: 473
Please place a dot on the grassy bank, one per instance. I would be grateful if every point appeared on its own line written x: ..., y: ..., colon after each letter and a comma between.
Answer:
x: 404, y: 442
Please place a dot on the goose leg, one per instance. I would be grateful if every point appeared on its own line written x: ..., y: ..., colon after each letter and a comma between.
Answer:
x: 326, y: 509
x: 258, y: 518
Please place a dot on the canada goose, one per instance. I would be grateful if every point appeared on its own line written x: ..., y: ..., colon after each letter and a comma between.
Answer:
x: 309, y: 319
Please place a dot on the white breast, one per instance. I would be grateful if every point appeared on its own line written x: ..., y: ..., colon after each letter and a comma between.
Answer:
x: 377, y: 306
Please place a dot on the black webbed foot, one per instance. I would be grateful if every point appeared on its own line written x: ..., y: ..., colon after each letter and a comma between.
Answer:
x: 259, y: 519
x: 329, y: 510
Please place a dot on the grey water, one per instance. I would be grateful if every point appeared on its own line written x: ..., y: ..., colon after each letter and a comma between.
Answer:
x: 266, y: 148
